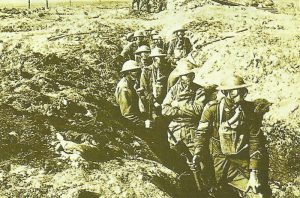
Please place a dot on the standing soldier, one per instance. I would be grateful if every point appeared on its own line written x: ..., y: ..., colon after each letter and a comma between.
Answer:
x: 180, y: 46
x: 154, y: 82
x: 127, y: 94
x: 157, y: 41
x: 129, y: 50
x: 232, y: 129
x: 142, y: 56
x: 183, y: 104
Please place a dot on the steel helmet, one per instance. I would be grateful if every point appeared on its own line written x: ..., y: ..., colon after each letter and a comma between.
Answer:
x: 154, y: 32
x: 179, y: 29
x: 143, y: 48
x: 184, y: 67
x: 129, y: 36
x: 156, y: 37
x: 156, y: 52
x: 233, y: 82
x: 139, y: 33
x: 130, y: 65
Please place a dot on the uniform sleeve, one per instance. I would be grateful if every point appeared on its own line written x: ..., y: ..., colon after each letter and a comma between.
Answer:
x: 189, y: 46
x: 126, y: 50
x: 126, y: 108
x: 194, y: 108
x: 171, y: 49
x: 204, y: 130
x: 255, y: 143
x: 146, y: 95
x: 167, y: 109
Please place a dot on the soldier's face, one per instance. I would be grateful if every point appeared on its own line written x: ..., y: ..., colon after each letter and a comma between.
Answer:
x: 235, y: 96
x: 135, y: 74
x: 139, y: 39
x: 188, y: 78
x: 157, y: 60
x: 145, y: 55
x: 180, y: 34
x: 157, y: 41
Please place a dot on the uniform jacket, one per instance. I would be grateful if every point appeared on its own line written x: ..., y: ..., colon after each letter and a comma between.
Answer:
x: 128, y: 100
x: 128, y: 51
x: 154, y: 83
x: 185, y: 118
x: 208, y: 135
x: 184, y: 48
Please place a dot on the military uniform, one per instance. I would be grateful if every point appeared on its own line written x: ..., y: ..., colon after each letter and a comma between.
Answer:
x: 231, y: 161
x: 127, y: 98
x: 185, y: 118
x: 179, y: 48
x: 154, y: 83
x: 128, y: 52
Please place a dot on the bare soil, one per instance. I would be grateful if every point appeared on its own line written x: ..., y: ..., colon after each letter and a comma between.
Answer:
x: 58, y: 76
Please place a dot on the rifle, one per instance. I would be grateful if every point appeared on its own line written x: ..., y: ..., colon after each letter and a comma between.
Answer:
x: 181, y: 148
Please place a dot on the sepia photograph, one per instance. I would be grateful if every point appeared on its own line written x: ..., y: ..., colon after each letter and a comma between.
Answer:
x: 150, y: 98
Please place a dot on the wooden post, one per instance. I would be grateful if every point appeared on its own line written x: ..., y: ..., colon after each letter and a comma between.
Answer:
x: 28, y: 4
x: 47, y: 4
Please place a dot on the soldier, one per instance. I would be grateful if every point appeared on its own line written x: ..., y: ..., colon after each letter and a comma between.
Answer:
x: 183, y: 103
x: 127, y: 92
x: 129, y: 50
x: 157, y: 41
x: 232, y: 129
x: 142, y: 56
x: 154, y: 32
x: 174, y: 75
x: 180, y: 46
x: 154, y: 82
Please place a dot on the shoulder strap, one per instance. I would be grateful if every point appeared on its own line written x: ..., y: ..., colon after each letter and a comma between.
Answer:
x: 221, y: 110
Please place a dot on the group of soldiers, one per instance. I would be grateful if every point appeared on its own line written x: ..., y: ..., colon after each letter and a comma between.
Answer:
x: 217, y: 138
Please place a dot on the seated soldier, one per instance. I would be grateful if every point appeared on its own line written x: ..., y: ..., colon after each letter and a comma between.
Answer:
x: 232, y: 129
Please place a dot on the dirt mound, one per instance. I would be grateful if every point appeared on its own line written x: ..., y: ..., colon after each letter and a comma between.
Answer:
x: 61, y: 81
x: 121, y: 178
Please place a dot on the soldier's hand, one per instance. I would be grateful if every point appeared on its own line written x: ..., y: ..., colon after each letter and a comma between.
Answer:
x: 253, y: 183
x: 175, y: 103
x: 194, y: 163
x: 148, y: 124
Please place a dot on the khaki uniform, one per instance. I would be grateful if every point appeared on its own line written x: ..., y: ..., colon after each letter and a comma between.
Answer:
x: 179, y: 49
x: 185, y: 118
x: 154, y: 83
x: 128, y: 51
x: 161, y: 45
x: 230, y: 169
x: 127, y: 98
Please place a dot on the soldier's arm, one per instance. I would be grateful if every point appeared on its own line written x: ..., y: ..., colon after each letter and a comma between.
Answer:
x: 255, y: 143
x: 144, y: 82
x: 126, y: 50
x: 167, y: 109
x: 194, y: 108
x: 204, y: 129
x: 171, y: 49
x: 189, y: 45
x: 126, y: 108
